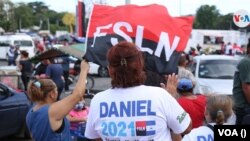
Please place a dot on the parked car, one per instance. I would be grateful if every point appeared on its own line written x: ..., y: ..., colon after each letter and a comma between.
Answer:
x: 214, y: 73
x: 97, y: 69
x: 94, y: 68
x: 14, y: 106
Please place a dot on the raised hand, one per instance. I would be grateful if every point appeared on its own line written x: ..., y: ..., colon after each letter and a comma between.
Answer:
x: 171, y: 85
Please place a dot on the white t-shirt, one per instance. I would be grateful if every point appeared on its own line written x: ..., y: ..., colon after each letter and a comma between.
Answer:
x: 141, y: 113
x: 202, y: 133
x: 228, y: 47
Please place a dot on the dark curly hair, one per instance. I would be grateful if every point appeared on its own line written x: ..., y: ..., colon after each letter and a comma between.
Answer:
x: 125, y: 65
x: 24, y: 53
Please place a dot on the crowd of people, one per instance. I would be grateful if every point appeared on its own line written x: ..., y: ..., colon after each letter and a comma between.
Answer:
x: 140, y: 105
x: 221, y: 48
x: 47, y: 42
x: 47, y: 120
x: 47, y: 68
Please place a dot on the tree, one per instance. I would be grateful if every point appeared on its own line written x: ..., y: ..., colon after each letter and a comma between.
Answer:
x: 53, y: 16
x: 27, y: 15
x: 224, y: 22
x: 5, y: 8
x: 206, y: 17
x: 40, y: 12
x: 23, y: 16
x: 5, y: 25
x: 6, y: 15
x: 60, y: 17
x: 38, y: 7
x: 69, y: 20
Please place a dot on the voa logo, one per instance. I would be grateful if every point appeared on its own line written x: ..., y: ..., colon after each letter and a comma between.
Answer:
x: 241, y: 18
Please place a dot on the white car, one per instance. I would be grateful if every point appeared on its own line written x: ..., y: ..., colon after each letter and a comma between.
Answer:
x: 97, y: 69
x: 94, y: 68
x: 24, y: 41
x: 214, y: 74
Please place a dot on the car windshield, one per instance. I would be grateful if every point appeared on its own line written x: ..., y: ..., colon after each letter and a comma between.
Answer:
x: 217, y: 69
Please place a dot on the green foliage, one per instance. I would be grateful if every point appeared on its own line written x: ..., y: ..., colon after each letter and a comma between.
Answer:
x: 225, y: 21
x: 55, y: 27
x: 23, y: 16
x: 38, y: 7
x: 6, y: 15
x: 27, y: 15
x: 206, y: 17
x: 6, y: 25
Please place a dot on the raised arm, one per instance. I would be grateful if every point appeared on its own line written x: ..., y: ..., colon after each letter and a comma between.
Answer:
x: 60, y: 109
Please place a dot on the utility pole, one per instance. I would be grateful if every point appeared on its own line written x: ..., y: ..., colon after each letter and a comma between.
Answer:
x: 127, y: 2
x: 6, y: 9
x: 48, y: 24
x: 180, y: 7
x: 20, y: 24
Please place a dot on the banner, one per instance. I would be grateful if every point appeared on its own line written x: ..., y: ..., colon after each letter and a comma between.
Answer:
x: 158, y: 35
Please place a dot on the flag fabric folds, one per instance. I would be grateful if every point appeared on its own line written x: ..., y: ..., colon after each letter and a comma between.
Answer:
x: 159, y: 36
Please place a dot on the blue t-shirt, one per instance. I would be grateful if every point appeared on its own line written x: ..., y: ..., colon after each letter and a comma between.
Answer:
x: 55, y: 72
x: 39, y: 126
x: 65, y: 63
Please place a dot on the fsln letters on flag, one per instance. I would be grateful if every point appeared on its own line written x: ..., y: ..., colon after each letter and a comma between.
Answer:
x: 158, y: 35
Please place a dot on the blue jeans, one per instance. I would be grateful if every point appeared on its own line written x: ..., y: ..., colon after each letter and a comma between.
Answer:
x: 78, y: 131
x: 11, y: 61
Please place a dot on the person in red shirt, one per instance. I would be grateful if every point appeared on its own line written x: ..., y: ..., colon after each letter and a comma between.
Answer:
x: 192, y: 104
x: 40, y: 48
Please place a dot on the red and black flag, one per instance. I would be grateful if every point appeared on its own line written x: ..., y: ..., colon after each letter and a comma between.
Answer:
x: 158, y: 35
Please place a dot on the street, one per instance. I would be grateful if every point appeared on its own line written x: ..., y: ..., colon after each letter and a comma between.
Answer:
x: 101, y: 83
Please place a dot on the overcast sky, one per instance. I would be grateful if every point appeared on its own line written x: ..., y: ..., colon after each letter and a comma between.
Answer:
x: 175, y: 7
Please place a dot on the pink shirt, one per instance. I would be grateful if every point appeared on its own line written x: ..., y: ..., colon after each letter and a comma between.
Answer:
x: 82, y: 113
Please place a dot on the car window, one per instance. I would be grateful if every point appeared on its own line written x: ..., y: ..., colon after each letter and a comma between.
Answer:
x: 3, y: 91
x: 25, y: 43
x: 217, y: 69
x: 3, y: 44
